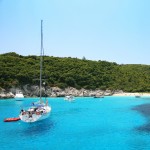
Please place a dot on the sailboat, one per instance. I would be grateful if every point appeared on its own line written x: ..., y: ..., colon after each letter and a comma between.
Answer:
x: 38, y: 110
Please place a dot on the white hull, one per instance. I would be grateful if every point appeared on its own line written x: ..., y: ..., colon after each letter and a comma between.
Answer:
x: 19, y: 96
x: 69, y: 98
x: 35, y: 116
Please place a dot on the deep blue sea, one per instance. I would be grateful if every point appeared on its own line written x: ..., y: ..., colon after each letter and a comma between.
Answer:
x: 110, y: 123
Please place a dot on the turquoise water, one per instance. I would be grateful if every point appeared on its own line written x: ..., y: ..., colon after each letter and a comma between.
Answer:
x: 108, y: 123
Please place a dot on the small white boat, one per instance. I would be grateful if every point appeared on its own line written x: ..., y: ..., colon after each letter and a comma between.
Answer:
x: 19, y: 94
x: 69, y: 98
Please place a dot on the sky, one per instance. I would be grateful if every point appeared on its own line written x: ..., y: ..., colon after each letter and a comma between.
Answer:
x: 111, y: 30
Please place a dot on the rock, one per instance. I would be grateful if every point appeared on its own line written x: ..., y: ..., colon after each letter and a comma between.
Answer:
x: 7, y: 95
x: 34, y: 91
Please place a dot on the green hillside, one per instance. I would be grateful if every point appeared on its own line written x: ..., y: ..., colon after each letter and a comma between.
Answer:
x: 16, y: 70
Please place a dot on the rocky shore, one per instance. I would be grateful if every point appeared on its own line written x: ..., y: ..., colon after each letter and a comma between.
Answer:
x: 33, y: 91
x: 6, y: 95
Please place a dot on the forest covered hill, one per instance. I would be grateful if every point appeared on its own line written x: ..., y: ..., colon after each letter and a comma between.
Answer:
x: 17, y: 70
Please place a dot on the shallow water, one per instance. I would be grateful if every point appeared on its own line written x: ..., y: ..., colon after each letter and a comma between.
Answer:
x: 110, y: 123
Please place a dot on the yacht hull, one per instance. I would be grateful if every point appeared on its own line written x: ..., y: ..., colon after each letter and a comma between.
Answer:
x: 35, y: 116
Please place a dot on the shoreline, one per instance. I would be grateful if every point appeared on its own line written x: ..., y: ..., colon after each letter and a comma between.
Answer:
x: 131, y: 94
x: 117, y: 94
x: 33, y: 91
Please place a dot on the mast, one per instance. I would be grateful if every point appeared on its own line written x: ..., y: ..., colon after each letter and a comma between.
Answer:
x: 41, y: 60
